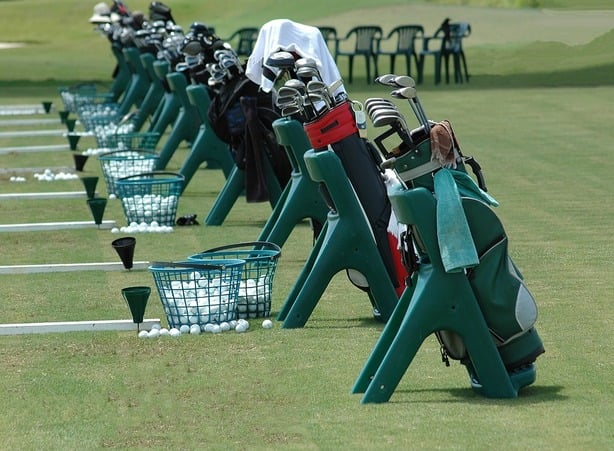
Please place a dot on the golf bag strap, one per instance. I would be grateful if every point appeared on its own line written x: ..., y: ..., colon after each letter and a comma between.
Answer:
x: 477, y: 170
x: 419, y: 171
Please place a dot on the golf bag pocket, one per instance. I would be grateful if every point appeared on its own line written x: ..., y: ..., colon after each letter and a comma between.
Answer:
x: 335, y: 125
x: 506, y: 303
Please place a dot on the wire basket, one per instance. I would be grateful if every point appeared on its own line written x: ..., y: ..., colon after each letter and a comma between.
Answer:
x: 99, y: 118
x: 150, y: 197
x: 123, y: 163
x: 261, y: 257
x: 198, y: 293
x: 129, y: 140
x: 71, y: 95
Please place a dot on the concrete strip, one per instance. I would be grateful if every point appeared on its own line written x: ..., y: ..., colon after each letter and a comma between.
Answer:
x: 25, y: 149
x: 75, y: 326
x: 30, y: 133
x: 69, y: 267
x: 22, y: 122
x: 50, y: 195
x: 47, y: 226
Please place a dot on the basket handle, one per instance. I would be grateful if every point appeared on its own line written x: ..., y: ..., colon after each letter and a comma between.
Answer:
x: 262, y: 244
x: 189, y: 265
x: 152, y: 173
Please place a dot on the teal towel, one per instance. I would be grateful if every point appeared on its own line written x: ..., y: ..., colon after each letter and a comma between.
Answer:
x: 453, y: 234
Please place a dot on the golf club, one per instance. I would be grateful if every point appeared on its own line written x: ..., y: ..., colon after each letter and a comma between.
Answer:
x: 409, y: 93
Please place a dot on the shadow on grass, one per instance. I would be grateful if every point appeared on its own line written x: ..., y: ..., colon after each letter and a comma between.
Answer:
x: 532, y: 394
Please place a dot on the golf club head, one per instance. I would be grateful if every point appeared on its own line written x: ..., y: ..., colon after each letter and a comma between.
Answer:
x: 379, y: 104
x: 404, y: 93
x: 305, y: 62
x: 287, y: 91
x: 298, y: 85
x: 386, y: 80
x: 316, y: 86
x: 381, y: 120
x: 285, y: 102
x: 404, y: 81
x: 308, y: 72
x: 281, y: 59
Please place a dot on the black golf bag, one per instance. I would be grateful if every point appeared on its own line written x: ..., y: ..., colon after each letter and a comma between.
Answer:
x: 242, y: 116
x: 361, y: 162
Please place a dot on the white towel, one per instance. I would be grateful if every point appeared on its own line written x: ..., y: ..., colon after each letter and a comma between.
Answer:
x: 286, y: 35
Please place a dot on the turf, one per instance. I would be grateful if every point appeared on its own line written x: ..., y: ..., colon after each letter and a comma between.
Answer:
x: 535, y: 114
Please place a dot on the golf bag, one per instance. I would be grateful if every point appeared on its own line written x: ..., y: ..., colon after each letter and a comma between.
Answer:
x: 508, y: 307
x: 361, y: 162
x: 242, y: 115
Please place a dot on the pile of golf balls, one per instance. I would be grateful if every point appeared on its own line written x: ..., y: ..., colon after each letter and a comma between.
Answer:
x: 106, y: 135
x: 128, y: 163
x: 143, y: 227
x: 199, y: 300
x: 49, y: 176
x: 254, y: 297
x: 239, y: 326
x: 151, y: 207
x: 15, y: 178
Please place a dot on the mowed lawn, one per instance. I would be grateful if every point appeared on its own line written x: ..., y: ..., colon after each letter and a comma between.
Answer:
x: 536, y: 116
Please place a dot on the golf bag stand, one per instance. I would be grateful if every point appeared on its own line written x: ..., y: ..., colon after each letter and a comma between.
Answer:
x: 355, y: 236
x: 139, y: 82
x: 152, y: 99
x: 301, y: 197
x: 167, y: 111
x: 187, y: 124
x: 483, y: 314
x: 207, y: 146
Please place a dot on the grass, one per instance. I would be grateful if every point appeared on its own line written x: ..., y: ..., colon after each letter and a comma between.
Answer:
x: 535, y: 115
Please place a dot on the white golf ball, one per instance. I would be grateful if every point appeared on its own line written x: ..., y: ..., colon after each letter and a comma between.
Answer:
x: 154, y: 333
x: 184, y: 329
x: 267, y: 324
x: 164, y: 331
x: 143, y: 334
x: 174, y: 332
x: 216, y: 329
x: 241, y: 327
x: 194, y: 329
